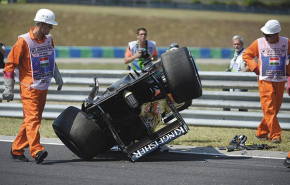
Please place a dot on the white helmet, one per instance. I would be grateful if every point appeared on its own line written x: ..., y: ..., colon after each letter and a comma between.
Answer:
x: 271, y: 27
x: 46, y: 16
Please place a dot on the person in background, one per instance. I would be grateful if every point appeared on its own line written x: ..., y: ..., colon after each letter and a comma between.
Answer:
x: 33, y: 59
x: 140, y: 51
x: 2, y: 55
x: 237, y: 63
x: 272, y: 70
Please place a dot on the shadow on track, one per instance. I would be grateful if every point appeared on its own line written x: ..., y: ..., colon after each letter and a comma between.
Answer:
x: 152, y: 157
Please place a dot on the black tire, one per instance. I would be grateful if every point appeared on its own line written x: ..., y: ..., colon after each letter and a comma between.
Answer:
x: 181, y: 75
x: 185, y: 106
x: 80, y: 133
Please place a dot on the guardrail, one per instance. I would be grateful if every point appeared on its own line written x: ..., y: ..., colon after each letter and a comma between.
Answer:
x: 205, y: 111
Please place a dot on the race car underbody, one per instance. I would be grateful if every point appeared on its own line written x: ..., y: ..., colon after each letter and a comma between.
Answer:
x: 139, y: 113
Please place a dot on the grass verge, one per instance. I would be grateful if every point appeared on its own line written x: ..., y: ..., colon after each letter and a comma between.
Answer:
x: 121, y: 66
x: 81, y: 25
x: 197, y: 135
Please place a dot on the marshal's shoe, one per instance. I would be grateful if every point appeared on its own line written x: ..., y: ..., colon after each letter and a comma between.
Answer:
x: 40, y: 156
x: 287, y: 162
x: 276, y: 140
x: 262, y: 138
x: 21, y: 158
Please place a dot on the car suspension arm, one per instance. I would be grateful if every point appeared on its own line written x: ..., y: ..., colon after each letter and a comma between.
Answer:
x: 117, y: 138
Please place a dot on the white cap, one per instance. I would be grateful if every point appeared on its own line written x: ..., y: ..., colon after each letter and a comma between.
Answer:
x: 271, y: 27
x: 45, y: 16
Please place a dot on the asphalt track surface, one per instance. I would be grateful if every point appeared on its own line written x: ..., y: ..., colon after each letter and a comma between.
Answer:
x: 62, y: 167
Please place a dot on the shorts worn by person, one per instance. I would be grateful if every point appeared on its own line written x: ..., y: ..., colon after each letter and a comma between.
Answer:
x: 32, y: 58
x: 237, y: 63
x: 140, y: 51
x: 272, y: 69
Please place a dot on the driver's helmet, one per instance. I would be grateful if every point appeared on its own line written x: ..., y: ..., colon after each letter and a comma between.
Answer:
x: 173, y: 46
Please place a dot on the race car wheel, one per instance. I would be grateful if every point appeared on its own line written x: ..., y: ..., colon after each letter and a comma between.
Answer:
x: 181, y: 75
x: 80, y: 133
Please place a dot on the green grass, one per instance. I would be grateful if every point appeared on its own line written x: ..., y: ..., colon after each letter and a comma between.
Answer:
x: 93, y: 66
x: 121, y: 66
x: 197, y: 135
x: 81, y: 25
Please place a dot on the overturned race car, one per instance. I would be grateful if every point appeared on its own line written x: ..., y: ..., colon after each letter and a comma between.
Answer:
x: 128, y: 112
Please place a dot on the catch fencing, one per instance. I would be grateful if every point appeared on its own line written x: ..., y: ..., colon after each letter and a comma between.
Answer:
x: 204, y: 111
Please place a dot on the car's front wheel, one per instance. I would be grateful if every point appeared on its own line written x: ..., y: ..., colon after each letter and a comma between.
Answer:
x: 80, y: 133
x: 181, y: 75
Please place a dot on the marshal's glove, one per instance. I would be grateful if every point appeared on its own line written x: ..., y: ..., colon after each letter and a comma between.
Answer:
x: 58, y: 78
x: 8, y: 91
x: 95, y: 89
x: 288, y: 85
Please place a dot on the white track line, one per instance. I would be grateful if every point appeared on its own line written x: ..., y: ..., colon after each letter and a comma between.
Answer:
x: 172, y: 151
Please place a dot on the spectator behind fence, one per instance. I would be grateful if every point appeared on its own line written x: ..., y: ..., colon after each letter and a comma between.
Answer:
x: 140, y: 51
x: 237, y: 64
x: 272, y: 70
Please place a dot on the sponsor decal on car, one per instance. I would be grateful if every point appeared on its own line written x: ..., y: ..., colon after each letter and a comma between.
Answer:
x: 172, y: 135
x: 160, y: 141
x: 144, y: 150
